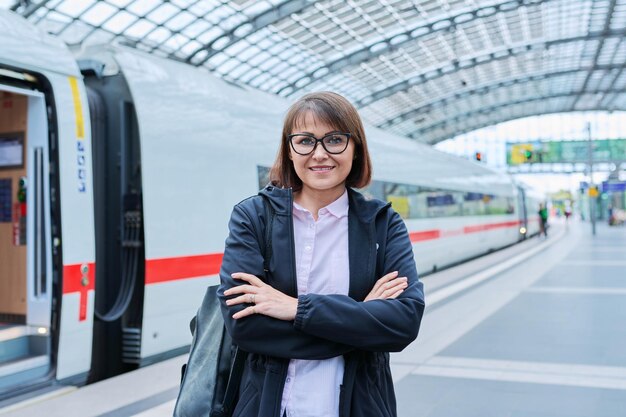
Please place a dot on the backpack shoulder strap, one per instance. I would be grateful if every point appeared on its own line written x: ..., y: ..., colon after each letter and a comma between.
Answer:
x: 239, y: 359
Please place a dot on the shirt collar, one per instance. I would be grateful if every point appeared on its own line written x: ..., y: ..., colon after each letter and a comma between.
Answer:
x: 338, y: 208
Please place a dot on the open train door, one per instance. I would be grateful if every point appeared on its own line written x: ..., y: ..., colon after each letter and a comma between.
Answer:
x: 39, y: 257
x: 25, y: 239
x: 47, y: 242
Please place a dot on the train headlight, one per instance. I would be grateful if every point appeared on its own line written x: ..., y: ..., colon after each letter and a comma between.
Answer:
x: 522, y: 230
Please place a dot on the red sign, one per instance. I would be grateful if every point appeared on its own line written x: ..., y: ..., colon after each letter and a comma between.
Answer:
x: 19, y: 224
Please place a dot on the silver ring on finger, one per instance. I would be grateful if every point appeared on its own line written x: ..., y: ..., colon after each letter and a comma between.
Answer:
x: 253, y: 298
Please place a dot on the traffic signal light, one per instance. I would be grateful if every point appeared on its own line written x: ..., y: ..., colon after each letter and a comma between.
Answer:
x: 21, y: 190
x: 528, y: 154
x: 478, y: 156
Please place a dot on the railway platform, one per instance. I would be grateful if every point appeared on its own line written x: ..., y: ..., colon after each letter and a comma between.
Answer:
x: 542, y: 338
x: 533, y: 330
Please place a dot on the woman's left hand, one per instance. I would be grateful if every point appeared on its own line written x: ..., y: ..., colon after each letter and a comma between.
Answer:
x: 264, y: 299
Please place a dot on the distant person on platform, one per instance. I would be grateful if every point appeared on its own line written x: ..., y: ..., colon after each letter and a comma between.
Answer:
x: 543, y: 216
x: 568, y: 212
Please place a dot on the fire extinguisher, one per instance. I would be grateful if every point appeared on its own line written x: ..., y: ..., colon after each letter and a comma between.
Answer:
x: 19, y: 214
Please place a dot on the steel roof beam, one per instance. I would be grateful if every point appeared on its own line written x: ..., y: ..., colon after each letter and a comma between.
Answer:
x: 479, y: 60
x: 489, y: 109
x: 609, y: 103
x: 483, y: 90
x: 605, y: 29
x: 436, y: 139
x: 257, y: 23
x: 619, y: 73
x: 485, y: 110
x: 17, y: 3
x: 396, y: 41
x: 29, y: 6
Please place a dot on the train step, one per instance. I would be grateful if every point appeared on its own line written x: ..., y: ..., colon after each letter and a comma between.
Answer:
x: 23, y: 355
x: 18, y: 342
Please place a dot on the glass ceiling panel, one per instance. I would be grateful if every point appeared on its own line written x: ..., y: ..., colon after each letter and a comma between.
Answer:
x: 423, y: 68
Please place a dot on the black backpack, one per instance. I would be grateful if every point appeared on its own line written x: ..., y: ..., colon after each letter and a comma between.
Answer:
x: 210, y: 379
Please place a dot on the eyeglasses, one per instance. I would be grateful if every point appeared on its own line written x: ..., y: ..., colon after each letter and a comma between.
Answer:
x: 333, y: 143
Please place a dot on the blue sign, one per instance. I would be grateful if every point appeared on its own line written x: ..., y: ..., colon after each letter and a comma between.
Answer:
x: 440, y: 200
x: 614, y: 187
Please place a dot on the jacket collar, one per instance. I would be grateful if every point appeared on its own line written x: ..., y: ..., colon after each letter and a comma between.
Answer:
x: 364, y: 208
x: 361, y: 229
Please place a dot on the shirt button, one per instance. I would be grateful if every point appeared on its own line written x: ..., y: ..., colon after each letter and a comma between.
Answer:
x: 288, y: 379
x: 307, y: 248
x: 311, y: 225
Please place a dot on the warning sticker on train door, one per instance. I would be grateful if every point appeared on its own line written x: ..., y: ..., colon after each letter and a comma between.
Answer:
x: 81, y: 158
x: 19, y: 224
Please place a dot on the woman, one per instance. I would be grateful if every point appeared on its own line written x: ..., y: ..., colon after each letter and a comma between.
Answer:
x: 320, y: 322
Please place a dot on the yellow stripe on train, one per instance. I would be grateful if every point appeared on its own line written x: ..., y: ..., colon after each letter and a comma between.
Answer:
x: 78, y: 109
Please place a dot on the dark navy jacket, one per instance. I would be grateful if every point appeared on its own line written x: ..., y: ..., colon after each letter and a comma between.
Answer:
x: 325, y: 325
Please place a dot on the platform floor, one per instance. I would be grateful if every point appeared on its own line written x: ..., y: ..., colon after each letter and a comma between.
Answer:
x: 544, y: 338
x: 535, y: 330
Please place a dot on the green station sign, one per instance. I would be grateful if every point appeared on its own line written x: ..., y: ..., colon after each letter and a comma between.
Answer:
x: 570, y: 151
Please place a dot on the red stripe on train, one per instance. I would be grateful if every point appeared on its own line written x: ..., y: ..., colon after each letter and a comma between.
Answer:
x: 436, y: 233
x: 170, y: 269
x: 73, y: 277
x: 424, y: 235
x: 80, y: 278
x: 489, y: 226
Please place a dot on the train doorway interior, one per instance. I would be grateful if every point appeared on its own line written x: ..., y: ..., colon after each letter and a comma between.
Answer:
x: 25, y: 251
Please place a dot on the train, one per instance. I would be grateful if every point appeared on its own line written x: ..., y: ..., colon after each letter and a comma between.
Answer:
x: 118, y: 174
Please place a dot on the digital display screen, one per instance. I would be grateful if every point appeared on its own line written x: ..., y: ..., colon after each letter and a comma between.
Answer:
x: 11, y: 151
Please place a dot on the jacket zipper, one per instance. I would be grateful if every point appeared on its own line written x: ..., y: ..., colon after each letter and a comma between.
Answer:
x: 294, y: 283
x: 294, y: 280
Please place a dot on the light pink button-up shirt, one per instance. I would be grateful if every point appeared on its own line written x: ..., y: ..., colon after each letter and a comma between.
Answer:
x: 312, y: 386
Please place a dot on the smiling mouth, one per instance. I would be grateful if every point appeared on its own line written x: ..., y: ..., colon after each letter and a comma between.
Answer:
x: 321, y: 169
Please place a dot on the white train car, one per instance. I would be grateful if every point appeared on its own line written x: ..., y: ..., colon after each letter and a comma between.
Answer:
x: 132, y: 165
x: 47, y: 244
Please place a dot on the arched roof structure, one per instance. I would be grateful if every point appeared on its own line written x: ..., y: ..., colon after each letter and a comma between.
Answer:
x: 427, y: 69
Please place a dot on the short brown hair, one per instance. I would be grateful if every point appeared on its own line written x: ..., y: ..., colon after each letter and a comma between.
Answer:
x: 333, y: 110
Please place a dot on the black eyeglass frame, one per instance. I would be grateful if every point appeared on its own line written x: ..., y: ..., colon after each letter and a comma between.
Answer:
x: 290, y: 137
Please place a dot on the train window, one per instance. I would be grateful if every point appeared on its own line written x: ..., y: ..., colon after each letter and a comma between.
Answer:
x: 414, y: 202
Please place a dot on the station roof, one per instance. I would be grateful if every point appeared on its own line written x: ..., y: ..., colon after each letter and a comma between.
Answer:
x: 426, y: 69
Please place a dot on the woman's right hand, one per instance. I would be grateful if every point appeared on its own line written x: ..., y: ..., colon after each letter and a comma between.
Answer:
x: 389, y: 286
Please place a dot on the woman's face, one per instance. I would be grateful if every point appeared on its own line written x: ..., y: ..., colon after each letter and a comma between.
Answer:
x: 321, y: 171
